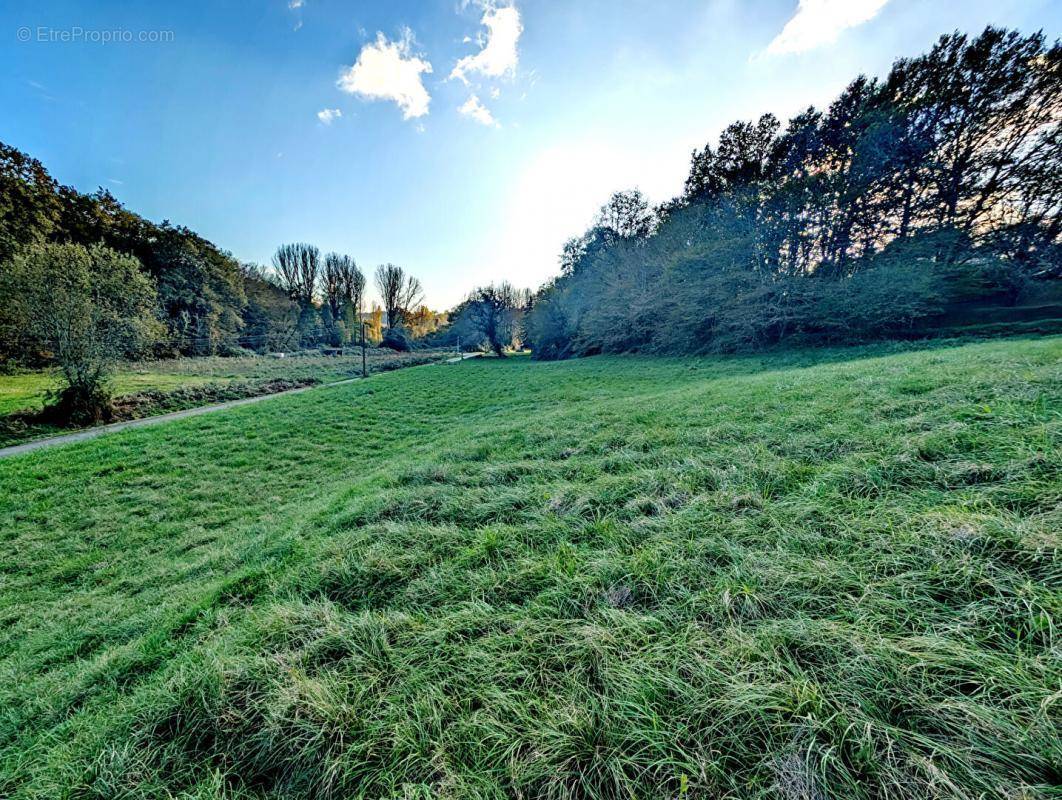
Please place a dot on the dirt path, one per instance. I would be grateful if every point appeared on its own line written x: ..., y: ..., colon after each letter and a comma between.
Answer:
x: 92, y: 433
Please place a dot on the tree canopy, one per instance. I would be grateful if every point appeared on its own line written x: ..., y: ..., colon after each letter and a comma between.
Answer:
x: 932, y: 188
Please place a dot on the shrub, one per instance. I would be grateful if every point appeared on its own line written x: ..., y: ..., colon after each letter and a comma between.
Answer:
x: 87, y: 307
x: 397, y: 339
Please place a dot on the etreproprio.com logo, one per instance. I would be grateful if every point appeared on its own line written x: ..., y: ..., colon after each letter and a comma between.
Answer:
x: 78, y: 35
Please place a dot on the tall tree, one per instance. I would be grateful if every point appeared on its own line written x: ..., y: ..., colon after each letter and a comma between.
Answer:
x: 494, y: 312
x: 991, y: 105
x: 374, y: 323
x: 936, y: 188
x: 627, y: 214
x: 29, y: 205
x: 399, y: 292
x: 344, y: 285
x: 298, y: 267
x: 741, y: 157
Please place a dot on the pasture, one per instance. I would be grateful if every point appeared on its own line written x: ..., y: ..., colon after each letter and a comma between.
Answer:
x: 828, y: 574
x: 147, y: 388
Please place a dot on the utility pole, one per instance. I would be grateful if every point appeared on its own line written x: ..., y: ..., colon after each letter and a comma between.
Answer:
x: 364, y: 368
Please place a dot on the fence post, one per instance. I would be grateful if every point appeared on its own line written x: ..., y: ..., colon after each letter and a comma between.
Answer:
x: 364, y: 368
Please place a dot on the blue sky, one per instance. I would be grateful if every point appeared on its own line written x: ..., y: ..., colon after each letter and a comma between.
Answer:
x: 257, y: 123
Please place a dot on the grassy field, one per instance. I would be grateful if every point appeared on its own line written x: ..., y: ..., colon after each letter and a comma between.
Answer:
x: 28, y: 390
x: 144, y: 389
x: 826, y: 574
x: 21, y: 391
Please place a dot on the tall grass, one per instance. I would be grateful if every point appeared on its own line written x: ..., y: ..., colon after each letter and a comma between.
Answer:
x: 828, y: 575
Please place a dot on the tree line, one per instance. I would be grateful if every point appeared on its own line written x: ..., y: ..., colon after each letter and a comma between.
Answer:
x: 85, y: 283
x: 933, y: 189
x: 204, y: 300
x: 909, y: 199
x: 329, y: 294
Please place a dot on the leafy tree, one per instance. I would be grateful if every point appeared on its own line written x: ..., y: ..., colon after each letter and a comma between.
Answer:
x: 549, y: 327
x: 270, y: 318
x: 494, y: 312
x: 627, y: 215
x: 200, y: 287
x: 397, y: 338
x: 331, y: 330
x: 424, y: 322
x: 200, y: 291
x: 29, y: 205
x: 350, y: 325
x: 741, y: 158
x: 89, y: 307
x: 374, y: 323
x: 937, y: 187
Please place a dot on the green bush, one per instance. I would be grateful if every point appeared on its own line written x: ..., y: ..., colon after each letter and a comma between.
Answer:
x: 88, y: 308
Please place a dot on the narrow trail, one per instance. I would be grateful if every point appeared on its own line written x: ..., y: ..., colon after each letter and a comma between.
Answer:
x: 114, y: 427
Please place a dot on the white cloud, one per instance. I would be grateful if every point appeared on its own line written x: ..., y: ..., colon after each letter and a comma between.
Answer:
x: 499, y: 53
x: 329, y: 115
x: 819, y: 22
x: 388, y: 70
x: 480, y: 113
x: 297, y: 6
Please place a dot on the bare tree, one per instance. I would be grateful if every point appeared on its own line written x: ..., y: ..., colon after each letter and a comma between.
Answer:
x: 354, y: 288
x: 343, y: 283
x: 332, y: 282
x: 400, y: 292
x: 297, y: 268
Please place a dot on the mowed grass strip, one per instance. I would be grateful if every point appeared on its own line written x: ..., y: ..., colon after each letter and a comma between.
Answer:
x: 825, y: 574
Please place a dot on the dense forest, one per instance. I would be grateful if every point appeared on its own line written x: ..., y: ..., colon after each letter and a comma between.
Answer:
x: 928, y: 197
x: 208, y: 302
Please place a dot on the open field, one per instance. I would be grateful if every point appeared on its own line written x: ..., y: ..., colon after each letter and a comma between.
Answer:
x: 827, y: 574
x: 145, y: 388
x: 27, y: 390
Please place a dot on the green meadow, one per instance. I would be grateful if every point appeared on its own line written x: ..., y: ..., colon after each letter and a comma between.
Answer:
x: 28, y: 390
x: 813, y: 574
x: 149, y: 388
